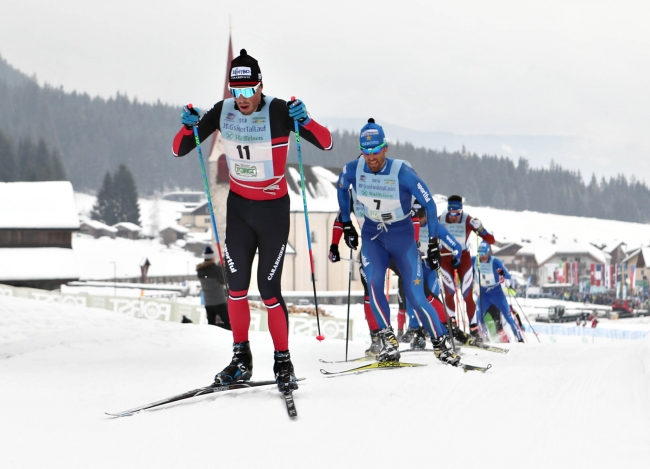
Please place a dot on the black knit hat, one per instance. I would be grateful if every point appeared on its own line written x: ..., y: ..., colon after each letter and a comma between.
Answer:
x: 244, y: 70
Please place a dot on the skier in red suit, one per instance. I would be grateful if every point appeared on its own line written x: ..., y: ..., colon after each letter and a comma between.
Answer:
x: 460, y: 225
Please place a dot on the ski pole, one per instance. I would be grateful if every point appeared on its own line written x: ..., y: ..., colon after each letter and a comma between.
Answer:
x: 524, y: 313
x: 515, y: 317
x: 207, y: 193
x: 461, y: 306
x: 480, y: 320
x: 319, y: 337
x: 347, y: 323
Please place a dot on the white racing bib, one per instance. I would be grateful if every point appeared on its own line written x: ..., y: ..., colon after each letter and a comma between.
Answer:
x: 457, y: 230
x: 379, y: 193
x: 247, y: 142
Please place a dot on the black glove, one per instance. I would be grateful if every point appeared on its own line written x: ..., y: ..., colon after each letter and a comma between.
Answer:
x: 433, y: 254
x: 350, y: 235
x: 334, y: 253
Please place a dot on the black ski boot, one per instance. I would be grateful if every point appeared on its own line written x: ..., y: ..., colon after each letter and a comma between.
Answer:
x: 283, y: 369
x: 475, y: 333
x: 443, y: 350
x: 419, y: 340
x: 457, y: 333
x: 390, y: 350
x: 400, y: 334
x: 408, y: 335
x: 240, y: 368
x: 375, y: 345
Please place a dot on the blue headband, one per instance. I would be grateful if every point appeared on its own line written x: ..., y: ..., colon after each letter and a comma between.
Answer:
x: 454, y: 205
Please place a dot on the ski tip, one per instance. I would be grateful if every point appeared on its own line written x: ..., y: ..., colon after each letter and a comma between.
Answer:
x: 115, y: 416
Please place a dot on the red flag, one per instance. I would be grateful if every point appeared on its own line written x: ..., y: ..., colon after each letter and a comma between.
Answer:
x: 592, y: 274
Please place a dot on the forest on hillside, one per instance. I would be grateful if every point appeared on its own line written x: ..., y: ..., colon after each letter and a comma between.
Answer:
x: 83, y: 138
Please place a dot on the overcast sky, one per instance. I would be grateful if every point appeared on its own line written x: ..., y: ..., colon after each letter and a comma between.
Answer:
x: 570, y: 67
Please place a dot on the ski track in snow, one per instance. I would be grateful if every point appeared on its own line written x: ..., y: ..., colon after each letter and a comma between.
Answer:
x: 564, y: 404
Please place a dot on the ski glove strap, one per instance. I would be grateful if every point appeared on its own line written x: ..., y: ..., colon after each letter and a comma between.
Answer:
x: 433, y: 254
x: 334, y: 253
x: 350, y: 235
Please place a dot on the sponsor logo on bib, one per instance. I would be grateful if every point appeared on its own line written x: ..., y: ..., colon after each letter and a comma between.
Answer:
x: 245, y: 170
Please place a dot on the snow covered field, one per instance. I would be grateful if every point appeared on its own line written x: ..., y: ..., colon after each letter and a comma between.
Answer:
x: 556, y: 404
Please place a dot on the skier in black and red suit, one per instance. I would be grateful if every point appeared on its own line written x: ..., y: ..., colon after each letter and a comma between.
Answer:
x: 460, y: 225
x: 255, y: 129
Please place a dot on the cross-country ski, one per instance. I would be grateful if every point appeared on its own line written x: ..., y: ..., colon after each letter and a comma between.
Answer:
x: 204, y: 391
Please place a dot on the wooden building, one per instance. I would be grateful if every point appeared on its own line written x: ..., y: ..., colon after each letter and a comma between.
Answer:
x: 37, y: 220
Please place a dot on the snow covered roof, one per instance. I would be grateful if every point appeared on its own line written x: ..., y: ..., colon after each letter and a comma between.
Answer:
x: 128, y: 226
x: 37, y: 264
x: 543, y: 250
x: 612, y: 246
x: 38, y: 205
x: 176, y: 228
x: 643, y: 252
x: 319, y: 187
x: 98, y: 225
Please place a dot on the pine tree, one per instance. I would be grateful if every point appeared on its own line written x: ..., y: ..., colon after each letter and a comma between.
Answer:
x: 126, y: 195
x: 27, y: 161
x: 8, y: 167
x: 57, y: 169
x: 105, y: 209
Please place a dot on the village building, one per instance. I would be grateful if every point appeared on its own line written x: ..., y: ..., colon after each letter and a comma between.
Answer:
x: 37, y: 220
x: 128, y: 230
x: 96, y: 229
x: 549, y: 261
x: 640, y: 259
x: 198, y: 219
x: 173, y: 233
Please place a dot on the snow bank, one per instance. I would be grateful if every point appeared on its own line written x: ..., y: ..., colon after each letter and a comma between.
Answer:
x: 561, y: 405
x: 38, y: 264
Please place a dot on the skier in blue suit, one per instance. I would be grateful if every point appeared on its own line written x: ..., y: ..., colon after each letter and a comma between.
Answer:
x: 386, y: 188
x: 431, y: 283
x: 492, y: 274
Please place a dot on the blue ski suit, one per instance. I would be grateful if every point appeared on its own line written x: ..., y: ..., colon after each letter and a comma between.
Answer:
x: 388, y: 232
x: 491, y: 274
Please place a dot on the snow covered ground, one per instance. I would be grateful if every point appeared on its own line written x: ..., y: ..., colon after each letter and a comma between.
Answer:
x: 102, y: 258
x: 556, y: 404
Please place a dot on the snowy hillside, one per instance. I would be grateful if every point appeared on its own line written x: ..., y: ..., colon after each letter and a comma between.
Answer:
x: 562, y: 404
x: 508, y: 226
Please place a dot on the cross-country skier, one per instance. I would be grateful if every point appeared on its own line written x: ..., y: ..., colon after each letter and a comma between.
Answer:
x: 431, y: 283
x: 386, y: 188
x: 255, y: 129
x: 334, y: 256
x: 460, y: 225
x: 493, y: 274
